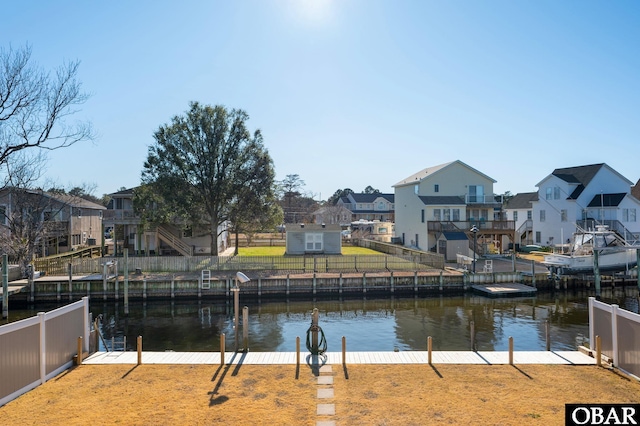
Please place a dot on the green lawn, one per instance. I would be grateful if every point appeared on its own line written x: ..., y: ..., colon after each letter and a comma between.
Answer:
x: 279, y: 251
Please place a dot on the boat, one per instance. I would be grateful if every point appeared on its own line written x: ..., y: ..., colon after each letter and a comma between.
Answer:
x: 614, y: 253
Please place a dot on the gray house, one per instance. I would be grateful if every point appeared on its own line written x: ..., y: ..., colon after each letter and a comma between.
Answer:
x: 311, y: 238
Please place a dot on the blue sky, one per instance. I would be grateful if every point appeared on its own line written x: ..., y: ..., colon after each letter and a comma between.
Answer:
x: 351, y: 93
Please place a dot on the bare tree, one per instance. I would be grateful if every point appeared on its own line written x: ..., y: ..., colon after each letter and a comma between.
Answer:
x: 35, y: 106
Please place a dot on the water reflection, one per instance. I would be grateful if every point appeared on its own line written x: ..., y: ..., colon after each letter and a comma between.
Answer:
x: 381, y: 324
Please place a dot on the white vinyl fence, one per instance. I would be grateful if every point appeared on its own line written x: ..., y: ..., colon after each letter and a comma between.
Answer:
x: 37, y: 349
x: 619, y: 332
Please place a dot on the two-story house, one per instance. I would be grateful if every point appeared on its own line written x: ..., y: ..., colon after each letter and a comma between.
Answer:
x: 369, y: 207
x: 443, y: 208
x: 129, y: 231
x: 66, y: 222
x: 520, y: 209
x: 584, y: 196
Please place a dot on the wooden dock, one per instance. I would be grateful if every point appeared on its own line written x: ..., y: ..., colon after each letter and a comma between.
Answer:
x: 289, y: 358
x: 504, y: 290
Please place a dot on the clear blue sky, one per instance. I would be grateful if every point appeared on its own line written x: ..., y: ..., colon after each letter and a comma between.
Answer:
x: 350, y: 93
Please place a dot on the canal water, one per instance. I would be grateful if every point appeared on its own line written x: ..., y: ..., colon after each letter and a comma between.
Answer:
x: 371, y: 324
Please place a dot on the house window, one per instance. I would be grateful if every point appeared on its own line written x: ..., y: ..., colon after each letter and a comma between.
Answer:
x: 632, y: 215
x: 313, y: 241
x: 119, y: 204
x: 556, y: 193
x: 538, y: 237
x: 456, y: 215
x: 529, y: 215
x: 563, y: 215
x: 422, y: 215
x: 382, y: 230
x: 75, y: 239
x: 515, y: 216
x: 446, y: 215
x: 3, y: 215
x: 436, y: 188
x: 381, y: 205
x: 543, y: 215
x: 416, y: 189
x: 436, y: 214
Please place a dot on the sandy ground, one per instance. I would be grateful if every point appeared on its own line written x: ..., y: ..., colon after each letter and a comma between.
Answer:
x: 285, y: 395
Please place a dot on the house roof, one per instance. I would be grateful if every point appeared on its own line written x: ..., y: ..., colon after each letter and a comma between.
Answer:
x: 580, y: 176
x: 450, y: 200
x: 452, y: 236
x: 71, y: 200
x: 635, y: 190
x: 124, y: 192
x: 417, y: 177
x: 370, y: 198
x: 522, y: 200
x: 606, y: 200
x: 292, y: 227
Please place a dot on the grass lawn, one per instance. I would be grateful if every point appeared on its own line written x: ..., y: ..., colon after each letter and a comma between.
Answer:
x: 279, y: 251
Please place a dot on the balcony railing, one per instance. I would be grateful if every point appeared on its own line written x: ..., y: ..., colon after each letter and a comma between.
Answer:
x: 110, y: 215
x: 464, y: 226
x: 483, y: 199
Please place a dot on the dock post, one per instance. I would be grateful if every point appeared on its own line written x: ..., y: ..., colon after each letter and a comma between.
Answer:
x: 5, y: 286
x: 547, y: 332
x: 513, y: 261
x: 533, y: 273
x: 173, y: 286
x: 79, y: 353
x: 314, y: 283
x: 638, y: 269
x: 344, y: 350
x: 58, y: 289
x: 126, y: 280
x: 598, y: 351
x: 429, y: 349
x: 472, y: 329
x: 415, y: 281
x: 245, y: 328
x: 104, y: 281
x: 139, y: 349
x: 314, y: 330
x: 340, y: 284
x: 69, y: 268
x: 510, y: 350
x: 298, y: 351
x: 441, y: 282
x: 364, y: 282
x: 596, y: 272
x: 144, y: 289
x: 222, y: 349
x: 392, y: 284
x: 288, y: 285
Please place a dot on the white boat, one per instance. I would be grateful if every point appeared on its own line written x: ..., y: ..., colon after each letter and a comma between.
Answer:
x: 614, y: 253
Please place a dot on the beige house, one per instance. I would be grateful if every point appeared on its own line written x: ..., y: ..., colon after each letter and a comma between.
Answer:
x: 453, y: 198
x: 68, y: 222
x: 166, y: 239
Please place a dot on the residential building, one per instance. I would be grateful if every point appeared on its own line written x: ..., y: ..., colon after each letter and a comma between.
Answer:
x: 520, y: 209
x: 175, y: 238
x: 376, y: 206
x: 584, y: 196
x: 435, y: 205
x: 334, y: 215
x: 67, y: 222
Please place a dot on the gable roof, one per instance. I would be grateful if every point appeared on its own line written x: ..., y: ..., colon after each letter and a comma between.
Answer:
x: 606, y: 200
x: 450, y: 200
x: 370, y: 198
x: 417, y: 177
x: 580, y: 176
x: 522, y: 200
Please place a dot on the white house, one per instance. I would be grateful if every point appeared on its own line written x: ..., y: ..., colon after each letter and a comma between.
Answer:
x: 436, y: 204
x: 583, y: 196
x: 376, y: 206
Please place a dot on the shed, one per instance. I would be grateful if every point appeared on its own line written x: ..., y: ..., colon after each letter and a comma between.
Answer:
x: 311, y: 238
x: 452, y: 243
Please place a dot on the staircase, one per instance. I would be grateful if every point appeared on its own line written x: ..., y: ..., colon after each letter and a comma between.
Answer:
x: 613, y: 225
x: 167, y: 236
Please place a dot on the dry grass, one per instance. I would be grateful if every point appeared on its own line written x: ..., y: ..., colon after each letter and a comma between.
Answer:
x: 364, y: 394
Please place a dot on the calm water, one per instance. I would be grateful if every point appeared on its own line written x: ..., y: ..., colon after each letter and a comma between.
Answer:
x: 381, y: 324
